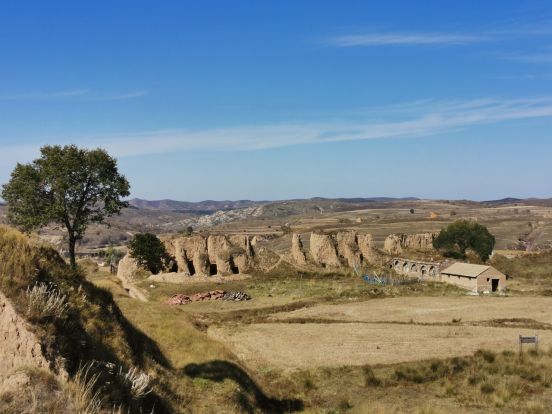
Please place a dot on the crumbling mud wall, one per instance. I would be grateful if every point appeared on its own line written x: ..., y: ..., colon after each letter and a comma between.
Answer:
x: 217, y: 254
x: 297, y: 253
x: 395, y: 243
x: 367, y: 246
x: 19, y: 348
x: 348, y: 249
x: 344, y: 248
x: 420, y: 241
x: 190, y: 253
x: 127, y: 270
x: 209, y: 255
x: 323, y: 250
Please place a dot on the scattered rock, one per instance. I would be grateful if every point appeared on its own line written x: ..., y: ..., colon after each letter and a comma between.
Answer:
x: 236, y: 296
x: 182, y: 299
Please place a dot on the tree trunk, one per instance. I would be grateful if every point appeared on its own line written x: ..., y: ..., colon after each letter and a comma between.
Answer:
x: 72, y: 243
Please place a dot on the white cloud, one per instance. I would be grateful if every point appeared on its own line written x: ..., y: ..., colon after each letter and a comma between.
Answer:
x: 81, y: 94
x: 37, y: 96
x: 503, y: 32
x: 536, y: 57
x: 385, y: 39
x: 415, y: 119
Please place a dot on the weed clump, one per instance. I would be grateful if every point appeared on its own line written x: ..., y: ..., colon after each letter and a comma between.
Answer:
x: 370, y: 379
x: 488, y: 356
x: 487, y: 388
x: 45, y: 300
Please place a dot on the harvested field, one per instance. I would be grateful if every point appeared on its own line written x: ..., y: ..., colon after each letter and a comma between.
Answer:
x: 388, y: 331
x: 430, y: 310
x: 308, y: 345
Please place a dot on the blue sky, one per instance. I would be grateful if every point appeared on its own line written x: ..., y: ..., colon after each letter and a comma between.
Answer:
x: 287, y: 99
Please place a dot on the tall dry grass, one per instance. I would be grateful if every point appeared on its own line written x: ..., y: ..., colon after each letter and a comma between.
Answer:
x: 45, y: 300
x: 18, y: 259
x: 86, y: 395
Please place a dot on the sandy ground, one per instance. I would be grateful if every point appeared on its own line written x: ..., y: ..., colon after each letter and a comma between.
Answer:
x: 431, y: 310
x: 309, y: 345
x: 381, y: 331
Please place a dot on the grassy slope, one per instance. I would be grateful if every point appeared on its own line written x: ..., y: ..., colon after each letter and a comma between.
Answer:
x: 531, y: 273
x: 93, y: 329
x: 205, y: 375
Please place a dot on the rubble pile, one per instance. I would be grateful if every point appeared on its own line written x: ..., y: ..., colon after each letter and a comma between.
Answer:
x: 236, y: 296
x: 182, y: 299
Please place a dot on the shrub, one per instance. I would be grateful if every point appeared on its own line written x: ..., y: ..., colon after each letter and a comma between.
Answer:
x: 45, y: 301
x: 138, y: 382
x: 370, y: 378
x: 87, y: 397
x: 344, y: 405
x: 113, y: 255
x: 149, y: 252
x: 488, y: 356
x: 462, y: 235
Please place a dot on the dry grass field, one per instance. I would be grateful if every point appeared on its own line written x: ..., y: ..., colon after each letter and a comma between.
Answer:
x: 432, y: 310
x: 388, y: 331
x: 309, y: 345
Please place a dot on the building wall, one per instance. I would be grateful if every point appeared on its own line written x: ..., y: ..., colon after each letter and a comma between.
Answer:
x: 431, y: 271
x: 465, y: 282
x: 484, y: 280
x: 415, y: 268
x: 481, y: 283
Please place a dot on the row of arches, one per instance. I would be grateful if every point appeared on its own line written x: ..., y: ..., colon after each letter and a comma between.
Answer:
x: 414, y: 268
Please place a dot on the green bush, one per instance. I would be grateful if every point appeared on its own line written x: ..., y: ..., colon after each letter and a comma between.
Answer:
x: 149, y: 252
x: 461, y: 235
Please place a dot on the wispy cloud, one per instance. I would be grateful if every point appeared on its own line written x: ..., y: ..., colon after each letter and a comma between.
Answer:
x: 385, y: 39
x: 526, y: 77
x: 81, y: 94
x: 533, y: 57
x: 507, y: 31
x: 408, y: 120
x: 118, y: 96
x: 38, y: 96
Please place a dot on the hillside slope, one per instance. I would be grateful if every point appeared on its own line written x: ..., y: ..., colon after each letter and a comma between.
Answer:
x: 60, y: 322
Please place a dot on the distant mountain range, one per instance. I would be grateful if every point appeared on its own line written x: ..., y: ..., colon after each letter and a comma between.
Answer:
x: 200, y: 207
x: 211, y: 206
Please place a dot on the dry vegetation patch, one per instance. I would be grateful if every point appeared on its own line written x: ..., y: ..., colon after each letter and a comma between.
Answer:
x: 464, y: 309
x: 304, y: 345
